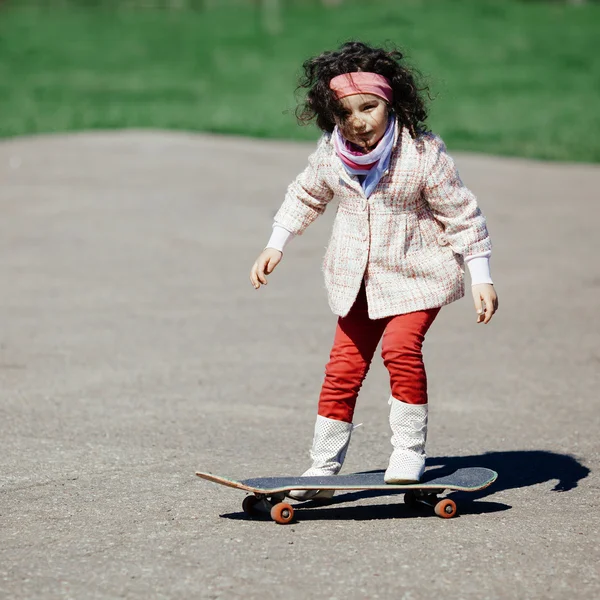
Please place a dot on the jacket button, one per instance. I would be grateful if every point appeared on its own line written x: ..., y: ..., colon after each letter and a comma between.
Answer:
x: 442, y: 240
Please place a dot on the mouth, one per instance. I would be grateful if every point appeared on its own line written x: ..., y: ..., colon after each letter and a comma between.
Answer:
x: 364, y: 138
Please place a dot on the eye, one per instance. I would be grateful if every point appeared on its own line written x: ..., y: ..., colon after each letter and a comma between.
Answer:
x: 369, y: 107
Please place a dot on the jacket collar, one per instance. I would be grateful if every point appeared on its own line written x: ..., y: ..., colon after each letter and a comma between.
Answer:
x: 399, y: 133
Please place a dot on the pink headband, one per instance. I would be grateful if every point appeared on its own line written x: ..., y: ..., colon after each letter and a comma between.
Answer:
x: 361, y: 82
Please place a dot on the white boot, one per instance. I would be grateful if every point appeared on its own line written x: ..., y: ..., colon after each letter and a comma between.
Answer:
x: 328, y: 451
x: 409, y: 428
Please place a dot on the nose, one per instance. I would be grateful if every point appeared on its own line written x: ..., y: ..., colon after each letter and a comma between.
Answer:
x: 358, y: 124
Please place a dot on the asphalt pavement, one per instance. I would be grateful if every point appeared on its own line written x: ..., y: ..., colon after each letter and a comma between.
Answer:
x: 134, y: 352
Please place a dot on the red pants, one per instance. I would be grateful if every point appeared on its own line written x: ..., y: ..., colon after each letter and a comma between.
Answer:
x: 356, y: 340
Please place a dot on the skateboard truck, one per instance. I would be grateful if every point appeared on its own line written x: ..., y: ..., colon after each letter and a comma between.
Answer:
x: 281, y: 512
x: 443, y: 507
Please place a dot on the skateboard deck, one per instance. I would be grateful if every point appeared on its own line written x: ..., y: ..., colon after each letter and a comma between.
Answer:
x: 268, y: 492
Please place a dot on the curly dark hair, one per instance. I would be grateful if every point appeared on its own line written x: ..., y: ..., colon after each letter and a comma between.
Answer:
x: 321, y: 103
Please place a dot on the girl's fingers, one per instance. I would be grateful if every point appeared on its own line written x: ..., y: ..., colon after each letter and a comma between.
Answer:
x: 269, y: 267
x: 486, y: 302
x: 260, y: 273
x: 479, y: 307
x: 263, y: 266
x: 489, y: 311
x: 491, y: 306
x: 253, y: 279
x: 273, y: 262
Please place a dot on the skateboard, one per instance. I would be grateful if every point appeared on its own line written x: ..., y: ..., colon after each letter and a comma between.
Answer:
x: 268, y: 493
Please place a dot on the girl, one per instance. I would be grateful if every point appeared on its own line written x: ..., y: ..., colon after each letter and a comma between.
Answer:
x: 404, y: 227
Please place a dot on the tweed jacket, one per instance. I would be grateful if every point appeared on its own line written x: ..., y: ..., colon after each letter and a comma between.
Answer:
x: 406, y: 241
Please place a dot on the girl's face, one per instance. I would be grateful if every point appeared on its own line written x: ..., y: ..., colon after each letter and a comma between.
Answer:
x: 366, y: 120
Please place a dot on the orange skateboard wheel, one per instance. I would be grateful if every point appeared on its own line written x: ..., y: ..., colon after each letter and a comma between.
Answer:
x: 445, y: 508
x: 282, y: 513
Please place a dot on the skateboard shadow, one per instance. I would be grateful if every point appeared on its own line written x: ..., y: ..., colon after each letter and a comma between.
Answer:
x: 516, y: 469
x: 328, y: 510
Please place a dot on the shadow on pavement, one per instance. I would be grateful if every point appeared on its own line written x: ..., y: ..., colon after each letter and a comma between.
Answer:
x: 374, y: 512
x: 516, y: 469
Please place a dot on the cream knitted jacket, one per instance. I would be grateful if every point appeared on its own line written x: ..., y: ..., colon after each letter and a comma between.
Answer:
x: 406, y: 241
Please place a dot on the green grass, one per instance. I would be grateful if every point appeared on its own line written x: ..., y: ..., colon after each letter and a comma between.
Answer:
x: 509, y: 77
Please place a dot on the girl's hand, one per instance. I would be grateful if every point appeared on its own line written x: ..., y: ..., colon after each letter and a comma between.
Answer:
x: 269, y: 258
x: 486, y: 301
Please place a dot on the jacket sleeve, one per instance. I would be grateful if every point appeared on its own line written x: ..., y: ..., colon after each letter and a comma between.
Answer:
x: 453, y: 204
x: 307, y: 196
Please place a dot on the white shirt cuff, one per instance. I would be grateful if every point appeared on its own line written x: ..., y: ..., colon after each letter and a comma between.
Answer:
x: 479, y: 268
x: 279, y: 238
